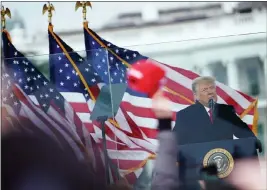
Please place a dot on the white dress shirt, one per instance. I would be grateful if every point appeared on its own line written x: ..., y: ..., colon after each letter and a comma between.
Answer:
x: 207, y: 109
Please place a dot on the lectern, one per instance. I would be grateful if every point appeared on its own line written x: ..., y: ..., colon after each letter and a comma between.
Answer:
x: 192, y: 158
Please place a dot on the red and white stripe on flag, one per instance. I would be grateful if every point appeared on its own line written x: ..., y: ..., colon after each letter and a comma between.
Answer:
x: 138, y: 109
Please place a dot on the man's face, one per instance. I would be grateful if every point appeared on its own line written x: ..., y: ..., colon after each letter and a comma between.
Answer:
x: 206, y: 91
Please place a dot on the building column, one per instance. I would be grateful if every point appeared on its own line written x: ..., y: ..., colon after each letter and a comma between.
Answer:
x: 232, y: 74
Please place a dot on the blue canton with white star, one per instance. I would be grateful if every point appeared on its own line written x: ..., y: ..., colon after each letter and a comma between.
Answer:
x: 8, y: 97
x: 117, y: 69
x: 30, y: 80
x: 62, y: 72
x: 110, y: 68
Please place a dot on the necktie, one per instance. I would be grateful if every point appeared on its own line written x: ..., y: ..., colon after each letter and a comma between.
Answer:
x: 210, y: 113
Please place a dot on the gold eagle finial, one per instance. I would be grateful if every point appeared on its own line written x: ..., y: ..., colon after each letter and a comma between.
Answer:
x: 4, y: 12
x: 49, y: 8
x: 83, y: 4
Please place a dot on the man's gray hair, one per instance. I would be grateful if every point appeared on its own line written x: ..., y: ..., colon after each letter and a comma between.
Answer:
x: 198, y: 80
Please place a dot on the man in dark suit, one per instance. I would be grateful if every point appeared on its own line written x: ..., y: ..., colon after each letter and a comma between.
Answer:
x: 207, y: 121
x: 202, y: 122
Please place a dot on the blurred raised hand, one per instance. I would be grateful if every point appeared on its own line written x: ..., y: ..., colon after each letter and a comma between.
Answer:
x: 161, y: 106
x: 247, y: 175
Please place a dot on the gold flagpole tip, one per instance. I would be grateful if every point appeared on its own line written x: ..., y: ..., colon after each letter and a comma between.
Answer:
x: 83, y: 4
x: 49, y: 8
x: 4, y: 12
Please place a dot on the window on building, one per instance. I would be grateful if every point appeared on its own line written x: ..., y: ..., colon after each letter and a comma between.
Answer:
x: 219, y: 71
x: 251, y: 76
x: 253, y: 81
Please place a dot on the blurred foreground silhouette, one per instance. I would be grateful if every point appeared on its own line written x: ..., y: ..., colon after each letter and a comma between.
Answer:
x: 33, y: 160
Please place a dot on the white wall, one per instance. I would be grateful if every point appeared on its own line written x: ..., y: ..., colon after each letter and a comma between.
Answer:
x: 139, y: 38
x: 186, y: 45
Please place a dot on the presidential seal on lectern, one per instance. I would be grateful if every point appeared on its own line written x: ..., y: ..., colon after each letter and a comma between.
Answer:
x: 222, y: 159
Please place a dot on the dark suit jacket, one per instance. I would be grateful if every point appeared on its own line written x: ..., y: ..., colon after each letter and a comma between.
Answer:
x: 193, y: 124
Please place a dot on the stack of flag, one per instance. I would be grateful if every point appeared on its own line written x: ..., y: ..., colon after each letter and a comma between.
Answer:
x: 62, y: 106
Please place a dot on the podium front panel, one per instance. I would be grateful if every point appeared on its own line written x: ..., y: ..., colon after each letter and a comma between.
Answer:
x: 193, y: 157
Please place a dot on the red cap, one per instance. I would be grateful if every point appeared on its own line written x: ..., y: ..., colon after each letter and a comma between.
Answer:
x: 146, y: 77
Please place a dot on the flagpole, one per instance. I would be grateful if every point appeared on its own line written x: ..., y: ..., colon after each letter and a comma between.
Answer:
x: 84, y: 5
x: 49, y: 8
x: 4, y: 12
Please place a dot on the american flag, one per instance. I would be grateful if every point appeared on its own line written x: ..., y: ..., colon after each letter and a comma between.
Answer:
x: 15, y: 114
x: 177, y: 88
x: 11, y: 106
x: 124, y: 149
x: 111, y: 70
x: 42, y: 104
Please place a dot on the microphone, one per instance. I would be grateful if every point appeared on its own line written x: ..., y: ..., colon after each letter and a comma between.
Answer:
x: 211, y: 106
x: 210, y: 170
x: 211, y: 103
